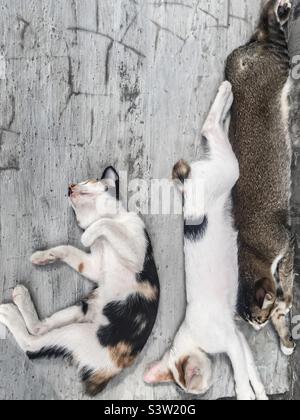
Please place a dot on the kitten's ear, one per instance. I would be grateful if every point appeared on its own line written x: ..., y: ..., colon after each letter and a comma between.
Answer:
x: 195, y: 372
x: 193, y: 375
x: 158, y: 372
x: 111, y: 176
x: 264, y: 294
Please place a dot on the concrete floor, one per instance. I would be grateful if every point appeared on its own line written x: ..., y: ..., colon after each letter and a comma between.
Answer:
x: 89, y: 83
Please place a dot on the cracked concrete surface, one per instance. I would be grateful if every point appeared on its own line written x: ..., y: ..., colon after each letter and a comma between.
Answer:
x: 90, y: 83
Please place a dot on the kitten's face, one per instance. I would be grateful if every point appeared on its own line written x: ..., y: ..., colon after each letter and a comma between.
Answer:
x: 93, y: 199
x: 260, y: 317
x: 264, y: 300
x: 192, y: 374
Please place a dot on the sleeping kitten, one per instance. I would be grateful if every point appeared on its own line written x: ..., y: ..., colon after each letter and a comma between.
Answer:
x: 211, y: 270
x: 259, y: 133
x: 107, y: 331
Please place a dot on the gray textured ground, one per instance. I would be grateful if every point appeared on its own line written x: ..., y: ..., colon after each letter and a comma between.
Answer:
x: 131, y: 87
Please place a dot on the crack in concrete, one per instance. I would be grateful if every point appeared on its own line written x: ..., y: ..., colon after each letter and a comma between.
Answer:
x: 170, y: 3
x: 126, y: 46
x: 72, y: 91
x: 70, y: 85
x: 133, y: 20
x: 12, y: 165
x: 162, y: 28
x: 97, y: 15
x: 8, y: 128
x: 74, y: 10
x: 107, y: 62
x: 26, y: 25
x: 9, y: 168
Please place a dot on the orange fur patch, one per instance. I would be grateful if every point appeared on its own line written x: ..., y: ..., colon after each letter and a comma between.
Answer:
x: 81, y: 268
x: 148, y: 291
x: 121, y: 354
x: 165, y: 377
x: 97, y: 382
x: 180, y: 366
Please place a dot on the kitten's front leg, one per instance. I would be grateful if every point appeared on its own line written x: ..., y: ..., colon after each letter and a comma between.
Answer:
x: 78, y: 260
x: 23, y: 301
x: 279, y: 320
x: 131, y: 249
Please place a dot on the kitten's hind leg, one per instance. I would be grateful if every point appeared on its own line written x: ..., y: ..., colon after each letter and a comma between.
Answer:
x: 73, y: 315
x: 22, y: 299
x: 222, y: 167
x: 77, y: 341
x: 237, y: 357
x: 227, y: 107
x: 220, y: 107
x: 255, y: 380
x: 11, y: 318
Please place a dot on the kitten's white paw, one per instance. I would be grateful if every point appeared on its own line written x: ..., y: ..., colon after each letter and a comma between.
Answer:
x: 247, y: 395
x: 287, y: 351
x: 9, y: 315
x: 226, y: 88
x: 40, y: 329
x: 43, y: 258
x: 262, y: 397
x: 87, y: 240
x: 260, y: 391
x: 21, y: 296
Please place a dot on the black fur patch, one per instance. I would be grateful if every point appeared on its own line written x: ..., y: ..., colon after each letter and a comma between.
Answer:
x: 125, y: 320
x: 131, y: 321
x: 50, y: 352
x: 149, y: 272
x: 86, y: 373
x: 245, y: 294
x: 117, y: 180
x: 84, y: 306
x: 205, y: 149
x: 280, y: 294
x: 195, y: 232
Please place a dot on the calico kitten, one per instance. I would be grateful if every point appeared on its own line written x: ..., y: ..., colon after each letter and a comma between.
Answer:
x: 107, y: 331
x: 259, y: 73
x: 211, y: 270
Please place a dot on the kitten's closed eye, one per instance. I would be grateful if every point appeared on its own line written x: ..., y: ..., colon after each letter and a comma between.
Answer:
x: 84, y: 193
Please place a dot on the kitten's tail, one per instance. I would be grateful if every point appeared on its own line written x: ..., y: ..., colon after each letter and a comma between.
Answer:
x: 181, y: 171
x: 95, y: 381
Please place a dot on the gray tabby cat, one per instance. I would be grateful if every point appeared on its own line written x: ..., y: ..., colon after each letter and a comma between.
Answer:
x: 294, y: 50
x: 259, y: 73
